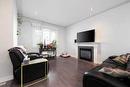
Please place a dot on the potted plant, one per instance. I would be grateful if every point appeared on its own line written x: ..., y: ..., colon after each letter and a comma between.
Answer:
x: 54, y: 44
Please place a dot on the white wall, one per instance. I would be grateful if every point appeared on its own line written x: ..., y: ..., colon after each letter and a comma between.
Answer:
x: 112, y: 31
x: 26, y: 36
x: 7, y: 37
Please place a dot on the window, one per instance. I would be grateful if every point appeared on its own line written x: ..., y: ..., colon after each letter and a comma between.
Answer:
x: 43, y: 35
x: 36, y: 37
x: 48, y: 36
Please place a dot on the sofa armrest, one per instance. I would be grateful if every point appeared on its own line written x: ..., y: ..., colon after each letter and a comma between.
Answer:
x: 36, y: 61
x: 128, y: 65
x: 31, y: 53
x: 34, y: 55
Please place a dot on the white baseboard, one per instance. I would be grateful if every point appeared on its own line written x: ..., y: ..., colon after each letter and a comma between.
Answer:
x: 6, y: 78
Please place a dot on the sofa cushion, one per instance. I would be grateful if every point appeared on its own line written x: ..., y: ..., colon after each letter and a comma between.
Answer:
x: 128, y: 55
x: 128, y: 65
x: 115, y: 72
x: 120, y: 60
x: 123, y: 59
x: 112, y: 57
x: 110, y: 63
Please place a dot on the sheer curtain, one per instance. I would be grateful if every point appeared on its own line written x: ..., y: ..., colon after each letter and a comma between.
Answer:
x: 42, y: 35
x: 48, y: 35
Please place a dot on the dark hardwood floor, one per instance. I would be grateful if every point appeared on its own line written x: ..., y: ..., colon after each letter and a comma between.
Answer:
x: 63, y: 72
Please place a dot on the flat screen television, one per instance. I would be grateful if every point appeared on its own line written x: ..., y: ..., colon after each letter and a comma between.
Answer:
x: 86, y: 36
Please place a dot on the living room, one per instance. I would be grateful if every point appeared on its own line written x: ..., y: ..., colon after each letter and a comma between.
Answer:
x: 44, y: 21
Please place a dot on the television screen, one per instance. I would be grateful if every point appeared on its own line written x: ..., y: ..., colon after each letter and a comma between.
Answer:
x: 86, y: 36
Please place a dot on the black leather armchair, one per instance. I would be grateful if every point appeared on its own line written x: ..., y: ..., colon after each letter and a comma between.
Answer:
x: 37, y: 68
x: 31, y: 55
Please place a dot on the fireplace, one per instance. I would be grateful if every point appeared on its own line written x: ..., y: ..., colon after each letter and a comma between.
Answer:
x: 86, y: 53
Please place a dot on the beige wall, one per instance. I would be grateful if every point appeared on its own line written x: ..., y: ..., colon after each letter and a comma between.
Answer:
x: 8, y: 25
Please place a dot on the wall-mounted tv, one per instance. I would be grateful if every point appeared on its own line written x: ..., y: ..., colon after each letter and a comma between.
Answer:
x: 86, y: 36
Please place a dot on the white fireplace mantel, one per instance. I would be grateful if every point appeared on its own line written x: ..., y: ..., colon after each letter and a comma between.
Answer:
x: 97, y: 50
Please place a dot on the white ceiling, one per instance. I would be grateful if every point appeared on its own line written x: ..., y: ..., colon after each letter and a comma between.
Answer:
x: 64, y: 12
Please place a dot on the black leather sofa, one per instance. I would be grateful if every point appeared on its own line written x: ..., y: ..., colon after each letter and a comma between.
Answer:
x: 93, y: 78
x: 31, y: 71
